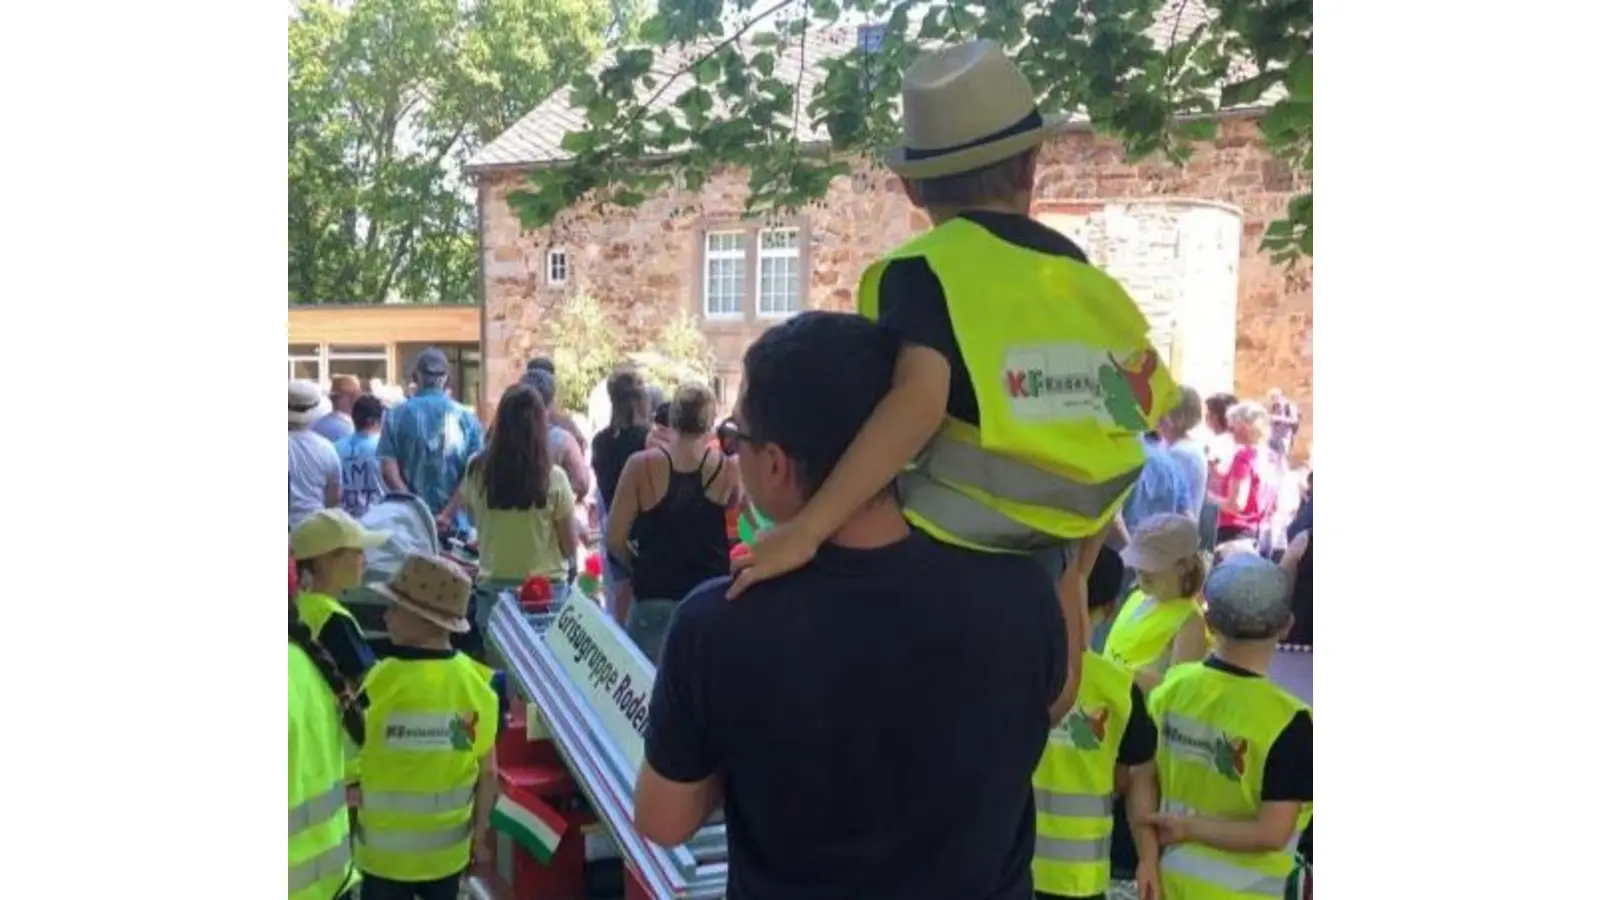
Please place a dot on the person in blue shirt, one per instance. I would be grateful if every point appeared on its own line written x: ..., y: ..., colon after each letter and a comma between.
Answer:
x: 361, y: 484
x: 1161, y: 488
x: 428, y: 439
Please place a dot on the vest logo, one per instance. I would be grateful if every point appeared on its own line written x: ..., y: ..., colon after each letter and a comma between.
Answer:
x: 1027, y: 384
x: 431, y: 731
x: 1085, y: 729
x: 1224, y: 754
x: 1070, y: 380
x: 1127, y: 390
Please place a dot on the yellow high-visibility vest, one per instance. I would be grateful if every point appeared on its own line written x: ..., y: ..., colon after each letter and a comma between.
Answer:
x: 430, y: 724
x: 319, y: 820
x: 1215, y: 732
x: 1074, y: 785
x: 1141, y: 636
x: 316, y: 609
x: 1066, y: 381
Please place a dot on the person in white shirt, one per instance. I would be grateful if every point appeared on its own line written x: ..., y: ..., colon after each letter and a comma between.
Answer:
x: 314, y: 478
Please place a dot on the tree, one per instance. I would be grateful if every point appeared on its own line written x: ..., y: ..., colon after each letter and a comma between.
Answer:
x: 1151, y: 72
x: 679, y: 352
x: 584, y: 344
x: 387, y: 99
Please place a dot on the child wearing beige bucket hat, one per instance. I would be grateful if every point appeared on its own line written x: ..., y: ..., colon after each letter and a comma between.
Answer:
x: 1161, y: 623
x: 428, y: 774
x: 1025, y: 376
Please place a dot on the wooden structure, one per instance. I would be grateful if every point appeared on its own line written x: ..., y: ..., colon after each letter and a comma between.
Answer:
x: 378, y: 342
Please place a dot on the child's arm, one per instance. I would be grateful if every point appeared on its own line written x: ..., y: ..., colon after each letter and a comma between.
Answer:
x: 901, y: 425
x: 488, y: 791
x: 1269, y: 830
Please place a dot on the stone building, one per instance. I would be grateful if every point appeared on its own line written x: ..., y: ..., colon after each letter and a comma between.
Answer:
x: 1182, y: 239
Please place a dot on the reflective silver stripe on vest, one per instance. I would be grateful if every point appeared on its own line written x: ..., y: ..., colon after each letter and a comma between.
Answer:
x: 418, y: 802
x: 1072, y: 850
x: 956, y: 462
x: 314, y: 811
x: 332, y: 861
x: 1182, y: 860
x: 1075, y: 806
x: 415, y: 841
x: 968, y: 519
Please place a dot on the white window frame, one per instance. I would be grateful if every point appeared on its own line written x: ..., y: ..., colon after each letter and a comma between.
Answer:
x: 708, y: 255
x: 763, y: 253
x: 378, y: 354
x: 321, y: 360
x: 550, y: 257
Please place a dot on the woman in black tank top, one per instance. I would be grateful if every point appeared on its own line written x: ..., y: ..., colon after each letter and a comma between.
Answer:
x: 668, y: 519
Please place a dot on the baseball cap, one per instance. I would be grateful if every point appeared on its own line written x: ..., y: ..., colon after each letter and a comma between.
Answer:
x: 432, y: 361
x: 1161, y: 541
x: 327, y: 530
x: 1247, y: 598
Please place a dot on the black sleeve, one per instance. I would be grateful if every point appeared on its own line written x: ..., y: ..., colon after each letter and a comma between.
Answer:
x: 349, y: 649
x: 911, y: 303
x: 1139, y: 740
x: 677, y: 741
x: 1287, y: 775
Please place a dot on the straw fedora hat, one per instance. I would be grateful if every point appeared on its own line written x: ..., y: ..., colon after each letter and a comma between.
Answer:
x: 966, y: 107
x: 307, y: 403
x: 432, y: 587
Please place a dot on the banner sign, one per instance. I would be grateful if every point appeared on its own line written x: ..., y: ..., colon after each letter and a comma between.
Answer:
x: 615, y: 677
x: 591, y: 686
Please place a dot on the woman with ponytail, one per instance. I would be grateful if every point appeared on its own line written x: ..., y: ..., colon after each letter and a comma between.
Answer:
x: 324, y: 715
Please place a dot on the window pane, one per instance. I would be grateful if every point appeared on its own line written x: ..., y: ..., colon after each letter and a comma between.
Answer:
x: 304, y: 349
x: 724, y: 286
x: 363, y: 369
x: 780, y: 239
x: 307, y: 369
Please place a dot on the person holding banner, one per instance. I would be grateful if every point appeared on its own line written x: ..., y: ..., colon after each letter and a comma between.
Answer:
x: 872, y: 719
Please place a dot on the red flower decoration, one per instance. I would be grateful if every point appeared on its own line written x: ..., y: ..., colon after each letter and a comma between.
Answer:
x: 592, y: 565
x: 535, y: 592
x: 739, y: 549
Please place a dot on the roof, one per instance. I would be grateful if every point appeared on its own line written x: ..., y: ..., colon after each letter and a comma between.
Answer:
x: 536, y: 138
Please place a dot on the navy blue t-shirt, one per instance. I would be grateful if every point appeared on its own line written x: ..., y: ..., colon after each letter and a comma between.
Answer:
x: 876, y: 716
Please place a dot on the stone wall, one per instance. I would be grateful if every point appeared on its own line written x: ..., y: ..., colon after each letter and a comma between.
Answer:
x: 645, y: 263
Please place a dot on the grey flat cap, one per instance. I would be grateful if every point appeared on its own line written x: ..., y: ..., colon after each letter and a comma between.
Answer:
x: 1247, y: 598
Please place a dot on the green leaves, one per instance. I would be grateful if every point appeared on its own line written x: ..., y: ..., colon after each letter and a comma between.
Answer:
x: 1136, y: 68
x: 387, y: 100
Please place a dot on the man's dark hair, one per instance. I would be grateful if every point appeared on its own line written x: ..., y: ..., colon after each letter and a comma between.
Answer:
x: 543, y: 383
x: 542, y: 364
x: 367, y: 412
x: 1105, y: 579
x: 1217, y: 406
x: 811, y: 383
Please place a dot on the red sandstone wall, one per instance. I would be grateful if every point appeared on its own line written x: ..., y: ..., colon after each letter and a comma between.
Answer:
x: 645, y: 262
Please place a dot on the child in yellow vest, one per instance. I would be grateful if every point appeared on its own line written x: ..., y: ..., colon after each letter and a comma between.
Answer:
x: 1233, y: 761
x: 1106, y: 745
x: 1160, y: 625
x: 329, y: 551
x: 428, y: 776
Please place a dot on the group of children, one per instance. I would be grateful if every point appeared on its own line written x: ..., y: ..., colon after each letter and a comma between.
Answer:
x: 414, y: 759
x: 1211, y: 759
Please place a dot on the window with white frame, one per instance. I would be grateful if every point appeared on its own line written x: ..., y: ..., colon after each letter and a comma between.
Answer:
x: 305, y: 362
x: 724, y: 274
x: 367, y: 363
x: 778, y: 286
x: 555, y: 267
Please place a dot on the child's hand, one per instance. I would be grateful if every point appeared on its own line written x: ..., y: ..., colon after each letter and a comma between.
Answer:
x: 780, y: 549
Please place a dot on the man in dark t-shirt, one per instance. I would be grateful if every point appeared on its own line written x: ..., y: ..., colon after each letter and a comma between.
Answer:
x: 869, y: 722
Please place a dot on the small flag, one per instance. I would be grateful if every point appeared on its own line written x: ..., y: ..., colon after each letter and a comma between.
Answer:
x: 530, y: 823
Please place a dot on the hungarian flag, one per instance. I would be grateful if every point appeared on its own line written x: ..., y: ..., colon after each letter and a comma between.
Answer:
x: 529, y: 822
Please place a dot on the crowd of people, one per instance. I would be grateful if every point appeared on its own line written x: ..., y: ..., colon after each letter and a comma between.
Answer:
x: 1006, y: 637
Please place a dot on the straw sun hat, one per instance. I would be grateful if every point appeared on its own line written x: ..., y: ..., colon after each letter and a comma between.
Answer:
x: 966, y: 107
